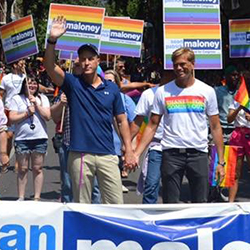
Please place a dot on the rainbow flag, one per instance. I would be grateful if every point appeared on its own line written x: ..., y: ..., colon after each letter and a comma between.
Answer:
x: 19, y: 39
x: 203, y: 39
x: 122, y: 36
x: 230, y: 157
x: 84, y: 25
x: 239, y: 38
x: 242, y: 96
x: 191, y: 12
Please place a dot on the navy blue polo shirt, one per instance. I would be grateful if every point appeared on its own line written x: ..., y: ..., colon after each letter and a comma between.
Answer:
x: 91, y: 114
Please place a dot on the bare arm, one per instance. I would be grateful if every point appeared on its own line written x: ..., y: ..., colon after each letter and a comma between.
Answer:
x: 44, y: 112
x: 148, y: 133
x: 2, y: 93
x: 54, y: 71
x: 135, y: 85
x: 233, y: 113
x: 130, y: 162
x: 216, y: 132
x: 16, y: 117
x: 57, y: 108
x: 135, y: 126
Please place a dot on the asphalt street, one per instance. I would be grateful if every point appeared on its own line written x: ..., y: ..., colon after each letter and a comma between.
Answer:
x: 51, y: 187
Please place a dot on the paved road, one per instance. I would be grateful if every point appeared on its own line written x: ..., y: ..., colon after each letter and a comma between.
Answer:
x: 51, y: 188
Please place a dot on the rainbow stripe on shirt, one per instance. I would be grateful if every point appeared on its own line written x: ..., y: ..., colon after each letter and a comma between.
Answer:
x: 185, y: 104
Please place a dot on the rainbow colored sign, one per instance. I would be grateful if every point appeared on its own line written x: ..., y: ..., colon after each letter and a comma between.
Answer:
x: 191, y: 11
x: 239, y: 38
x: 84, y: 25
x: 203, y: 39
x: 122, y: 36
x: 67, y: 55
x: 19, y: 39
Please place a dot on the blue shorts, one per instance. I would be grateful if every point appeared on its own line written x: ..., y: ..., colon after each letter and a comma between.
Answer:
x: 31, y: 146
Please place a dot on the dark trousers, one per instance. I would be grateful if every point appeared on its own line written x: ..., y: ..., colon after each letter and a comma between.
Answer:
x: 179, y: 162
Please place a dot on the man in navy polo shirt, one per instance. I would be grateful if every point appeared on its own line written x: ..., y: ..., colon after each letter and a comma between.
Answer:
x: 93, y: 103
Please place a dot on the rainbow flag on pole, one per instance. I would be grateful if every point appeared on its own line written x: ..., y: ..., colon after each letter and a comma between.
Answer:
x: 242, y: 96
x: 230, y: 157
x: 84, y: 25
x: 19, y: 39
x: 122, y: 36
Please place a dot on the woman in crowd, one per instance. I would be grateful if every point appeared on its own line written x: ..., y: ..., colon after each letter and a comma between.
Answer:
x: 240, y: 137
x: 29, y: 112
x: 4, y: 159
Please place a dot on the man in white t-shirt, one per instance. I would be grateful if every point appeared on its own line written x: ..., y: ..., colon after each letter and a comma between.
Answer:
x: 10, y: 86
x: 185, y: 103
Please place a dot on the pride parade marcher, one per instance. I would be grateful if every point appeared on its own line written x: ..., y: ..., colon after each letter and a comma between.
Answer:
x: 4, y: 159
x: 185, y: 103
x: 240, y: 137
x: 29, y: 111
x: 225, y: 97
x: 149, y: 180
x: 93, y: 103
x: 10, y: 86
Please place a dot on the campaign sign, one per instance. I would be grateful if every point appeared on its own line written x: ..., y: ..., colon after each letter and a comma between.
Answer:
x: 68, y: 55
x: 191, y: 11
x: 19, y: 39
x: 56, y: 226
x: 203, y: 39
x: 239, y: 38
x: 84, y: 25
x: 122, y: 36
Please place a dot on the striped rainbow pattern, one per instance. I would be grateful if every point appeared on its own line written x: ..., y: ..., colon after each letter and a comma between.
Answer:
x: 84, y: 14
x: 191, y: 15
x: 14, y: 28
x: 230, y: 158
x: 239, y: 26
x: 194, y: 31
x: 242, y: 96
x: 66, y: 55
x: 185, y: 104
x: 122, y: 24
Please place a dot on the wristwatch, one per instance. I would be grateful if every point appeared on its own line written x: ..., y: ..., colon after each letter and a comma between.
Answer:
x: 51, y: 42
x: 223, y: 164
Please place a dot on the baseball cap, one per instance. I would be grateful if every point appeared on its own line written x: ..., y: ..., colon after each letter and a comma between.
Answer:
x: 89, y: 47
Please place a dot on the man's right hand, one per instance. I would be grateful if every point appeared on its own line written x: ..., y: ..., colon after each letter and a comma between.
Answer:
x: 58, y: 28
x: 63, y: 99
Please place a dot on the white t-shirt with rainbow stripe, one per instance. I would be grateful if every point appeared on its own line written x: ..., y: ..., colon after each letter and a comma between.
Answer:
x: 185, y: 113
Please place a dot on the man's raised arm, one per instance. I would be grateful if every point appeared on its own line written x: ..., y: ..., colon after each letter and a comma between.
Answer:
x: 58, y: 28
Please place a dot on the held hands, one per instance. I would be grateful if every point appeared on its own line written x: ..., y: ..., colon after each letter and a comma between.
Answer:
x: 130, y: 161
x: 58, y: 28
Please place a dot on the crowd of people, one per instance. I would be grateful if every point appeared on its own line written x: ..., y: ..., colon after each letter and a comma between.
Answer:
x: 98, y: 116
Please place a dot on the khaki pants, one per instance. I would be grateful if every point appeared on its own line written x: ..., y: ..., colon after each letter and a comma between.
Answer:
x: 84, y: 167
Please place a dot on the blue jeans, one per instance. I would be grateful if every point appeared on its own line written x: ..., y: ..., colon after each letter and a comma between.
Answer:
x: 152, y: 182
x: 66, y: 188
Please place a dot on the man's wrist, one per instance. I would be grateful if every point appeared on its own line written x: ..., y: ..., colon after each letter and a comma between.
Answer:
x: 221, y: 163
x: 51, y: 41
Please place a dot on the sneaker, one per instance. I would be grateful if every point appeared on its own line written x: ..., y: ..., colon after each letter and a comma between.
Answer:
x: 124, y: 189
x: 20, y: 199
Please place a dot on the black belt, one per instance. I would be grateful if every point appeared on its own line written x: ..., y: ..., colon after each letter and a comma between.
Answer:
x: 183, y: 150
